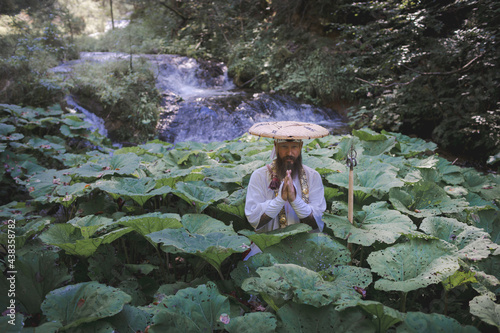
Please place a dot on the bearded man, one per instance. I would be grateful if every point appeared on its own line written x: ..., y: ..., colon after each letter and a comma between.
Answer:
x: 285, y: 192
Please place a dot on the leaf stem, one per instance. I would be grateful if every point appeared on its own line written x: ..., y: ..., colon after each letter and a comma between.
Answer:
x: 403, y: 301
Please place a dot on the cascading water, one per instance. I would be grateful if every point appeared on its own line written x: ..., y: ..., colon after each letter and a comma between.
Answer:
x: 202, y: 104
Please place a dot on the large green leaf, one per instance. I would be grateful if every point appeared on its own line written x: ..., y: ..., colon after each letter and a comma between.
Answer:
x: 130, y: 319
x: 262, y: 322
x: 140, y: 190
x: 37, y: 274
x: 122, y: 164
x: 375, y: 223
x: 234, y: 204
x: 472, y: 243
x: 484, y: 308
x: 301, y: 318
x: 70, y: 239
x: 43, y: 184
x: 22, y: 231
x: 489, y: 221
x: 383, y: 317
x: 284, y: 282
x: 425, y: 199
x: 374, y: 143
x: 375, y: 179
x: 266, y: 239
x: 192, y: 310
x: 148, y: 223
x: 315, y: 251
x: 423, y: 322
x: 202, y: 224
x: 408, y: 146
x: 198, y: 194
x: 213, y: 247
x: 413, y: 265
x: 248, y: 268
x: 90, y: 224
x: 83, y: 303
x: 445, y: 172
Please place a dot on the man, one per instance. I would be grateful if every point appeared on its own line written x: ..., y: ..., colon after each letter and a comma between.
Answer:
x: 285, y: 192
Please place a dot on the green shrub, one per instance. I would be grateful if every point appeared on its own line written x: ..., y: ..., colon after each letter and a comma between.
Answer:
x: 125, y: 97
x: 28, y: 56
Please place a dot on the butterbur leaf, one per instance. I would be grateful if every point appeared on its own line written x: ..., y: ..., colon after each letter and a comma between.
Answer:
x: 37, y: 274
x: 263, y: 240
x: 234, y: 204
x: 192, y: 310
x: 202, y: 224
x: 148, y: 223
x: 213, y: 247
x: 70, y: 239
x: 140, y: 190
x: 90, y: 224
x: 458, y: 279
x: 484, y: 308
x: 289, y: 282
x: 299, y: 318
x: 375, y: 223
x: 384, y: 317
x: 83, y: 303
x: 422, y: 322
x: 225, y: 174
x: 130, y: 319
x: 198, y: 194
x: 408, y: 146
x: 24, y: 232
x: 413, y: 265
x: 262, y: 322
x: 315, y: 251
x: 372, y: 178
x: 248, y: 268
x: 122, y: 164
x: 472, y: 243
x: 425, y: 199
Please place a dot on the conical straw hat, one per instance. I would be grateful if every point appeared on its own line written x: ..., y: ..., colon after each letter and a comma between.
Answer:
x: 288, y: 130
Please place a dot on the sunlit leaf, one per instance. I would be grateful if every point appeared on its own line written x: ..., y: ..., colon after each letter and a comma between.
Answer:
x: 484, y: 308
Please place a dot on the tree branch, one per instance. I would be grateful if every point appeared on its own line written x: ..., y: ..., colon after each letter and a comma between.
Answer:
x: 174, y: 10
x: 419, y: 74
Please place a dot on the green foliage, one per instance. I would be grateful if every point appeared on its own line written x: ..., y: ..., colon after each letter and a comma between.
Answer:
x: 25, y: 58
x: 154, y: 226
x: 124, y: 91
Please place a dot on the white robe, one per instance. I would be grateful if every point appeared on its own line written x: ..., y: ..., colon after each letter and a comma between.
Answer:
x: 259, y: 195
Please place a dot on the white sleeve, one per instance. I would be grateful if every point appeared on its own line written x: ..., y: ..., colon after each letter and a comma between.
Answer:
x: 257, y: 202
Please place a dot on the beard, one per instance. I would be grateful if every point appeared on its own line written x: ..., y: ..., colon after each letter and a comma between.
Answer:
x: 288, y: 163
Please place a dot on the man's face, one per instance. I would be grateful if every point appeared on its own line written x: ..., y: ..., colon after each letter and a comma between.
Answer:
x: 289, y: 152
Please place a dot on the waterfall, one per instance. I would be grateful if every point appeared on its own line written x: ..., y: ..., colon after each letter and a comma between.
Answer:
x: 202, y: 104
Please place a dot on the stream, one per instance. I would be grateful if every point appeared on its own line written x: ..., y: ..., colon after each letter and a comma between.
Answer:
x: 202, y: 104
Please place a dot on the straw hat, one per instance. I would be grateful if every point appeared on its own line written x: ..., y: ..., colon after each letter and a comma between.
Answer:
x: 288, y: 130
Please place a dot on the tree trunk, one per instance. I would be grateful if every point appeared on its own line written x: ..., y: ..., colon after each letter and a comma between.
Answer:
x: 112, y: 18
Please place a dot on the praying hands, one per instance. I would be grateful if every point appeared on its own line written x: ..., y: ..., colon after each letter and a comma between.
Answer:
x: 288, y: 191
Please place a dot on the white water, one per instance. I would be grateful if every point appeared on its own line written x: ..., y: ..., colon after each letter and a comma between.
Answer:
x: 202, y: 104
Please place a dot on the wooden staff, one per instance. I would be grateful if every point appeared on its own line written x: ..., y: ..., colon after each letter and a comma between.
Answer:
x: 351, y: 163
